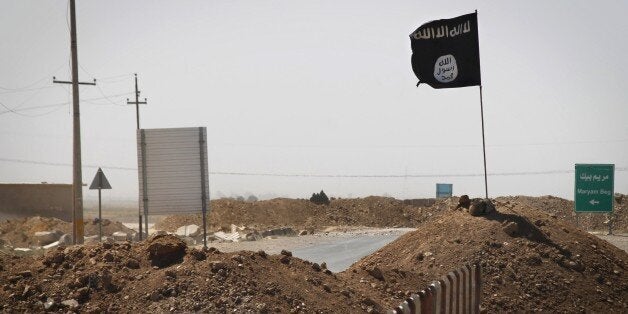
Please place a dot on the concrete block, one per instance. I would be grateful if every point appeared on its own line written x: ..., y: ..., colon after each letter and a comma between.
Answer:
x: 47, y: 237
x: 189, y: 241
x: 227, y: 237
x: 121, y: 236
x: 51, y: 245
x: 188, y: 231
x: 65, y: 239
x: 89, y: 239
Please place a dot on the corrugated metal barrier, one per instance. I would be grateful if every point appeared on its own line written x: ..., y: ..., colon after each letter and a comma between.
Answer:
x: 457, y: 292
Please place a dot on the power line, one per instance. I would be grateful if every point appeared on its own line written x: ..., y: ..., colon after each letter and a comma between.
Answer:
x: 305, y: 175
x: 459, y: 175
x: 28, y: 86
x: 390, y: 146
x: 46, y: 163
x: 26, y: 90
x: 10, y: 110
x: 28, y: 115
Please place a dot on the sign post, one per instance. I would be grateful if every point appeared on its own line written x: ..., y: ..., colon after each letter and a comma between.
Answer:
x: 100, y: 182
x: 594, y: 189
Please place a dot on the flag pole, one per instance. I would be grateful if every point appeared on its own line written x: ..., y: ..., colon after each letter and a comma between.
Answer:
x: 482, y: 116
x: 483, y: 143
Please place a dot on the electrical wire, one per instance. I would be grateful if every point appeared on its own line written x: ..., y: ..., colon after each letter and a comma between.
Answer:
x: 30, y: 86
x: 391, y: 146
x: 9, y: 110
x: 302, y: 175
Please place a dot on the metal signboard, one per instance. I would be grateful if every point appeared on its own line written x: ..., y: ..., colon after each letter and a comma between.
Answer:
x: 444, y: 190
x: 594, y: 188
x: 173, y: 172
x: 173, y: 175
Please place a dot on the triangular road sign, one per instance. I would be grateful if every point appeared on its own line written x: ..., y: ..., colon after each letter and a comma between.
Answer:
x: 100, y: 181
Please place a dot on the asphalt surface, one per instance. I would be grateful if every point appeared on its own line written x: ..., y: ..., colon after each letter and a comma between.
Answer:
x: 618, y: 240
x: 341, y: 254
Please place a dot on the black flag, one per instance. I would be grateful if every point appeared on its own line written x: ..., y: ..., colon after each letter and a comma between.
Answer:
x: 446, y: 53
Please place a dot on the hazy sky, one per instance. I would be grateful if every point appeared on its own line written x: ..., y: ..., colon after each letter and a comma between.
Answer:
x: 320, y: 88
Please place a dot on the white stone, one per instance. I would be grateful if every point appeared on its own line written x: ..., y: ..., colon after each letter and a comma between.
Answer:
x: 70, y: 303
x: 46, y: 237
x: 188, y: 231
x: 65, y: 239
x: 189, y: 241
x: 228, y: 237
x: 91, y: 239
x: 252, y: 236
x: 120, y: 236
x: 51, y: 245
x: 136, y: 236
x: 160, y: 232
x: 24, y: 251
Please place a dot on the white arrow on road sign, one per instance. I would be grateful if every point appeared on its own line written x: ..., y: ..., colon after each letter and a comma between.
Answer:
x: 593, y: 202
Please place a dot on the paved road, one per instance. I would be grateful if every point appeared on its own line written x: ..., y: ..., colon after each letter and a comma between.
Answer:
x: 618, y: 240
x: 346, y: 251
x: 341, y: 254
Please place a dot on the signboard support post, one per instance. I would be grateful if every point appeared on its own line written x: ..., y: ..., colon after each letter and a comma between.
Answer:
x: 99, y: 217
x: 204, y: 195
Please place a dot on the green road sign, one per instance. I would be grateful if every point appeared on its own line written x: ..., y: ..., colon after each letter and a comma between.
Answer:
x: 594, y: 188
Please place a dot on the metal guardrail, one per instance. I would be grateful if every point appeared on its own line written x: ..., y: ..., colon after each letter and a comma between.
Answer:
x: 457, y: 292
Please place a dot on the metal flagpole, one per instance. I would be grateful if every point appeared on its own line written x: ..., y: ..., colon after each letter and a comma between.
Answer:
x: 483, y: 143
x: 482, y: 117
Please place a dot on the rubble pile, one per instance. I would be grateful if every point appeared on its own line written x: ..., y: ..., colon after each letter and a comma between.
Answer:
x: 564, y: 210
x: 531, y: 261
x: 164, y: 274
x: 41, y: 231
x: 301, y: 214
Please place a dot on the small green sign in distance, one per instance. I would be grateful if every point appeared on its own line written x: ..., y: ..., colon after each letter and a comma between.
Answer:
x: 594, y: 188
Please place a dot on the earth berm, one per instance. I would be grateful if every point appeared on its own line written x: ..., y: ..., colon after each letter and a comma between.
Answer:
x: 531, y: 261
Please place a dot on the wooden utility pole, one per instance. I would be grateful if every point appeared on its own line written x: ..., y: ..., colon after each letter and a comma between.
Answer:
x: 77, y: 181
x: 137, y: 104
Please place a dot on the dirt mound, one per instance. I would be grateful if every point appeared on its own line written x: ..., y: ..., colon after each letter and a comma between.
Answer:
x: 164, y: 250
x: 119, y: 277
x: 530, y: 261
x: 564, y: 209
x: 19, y: 232
x: 371, y: 211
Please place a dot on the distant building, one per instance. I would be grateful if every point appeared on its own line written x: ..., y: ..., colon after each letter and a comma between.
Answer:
x: 36, y: 199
